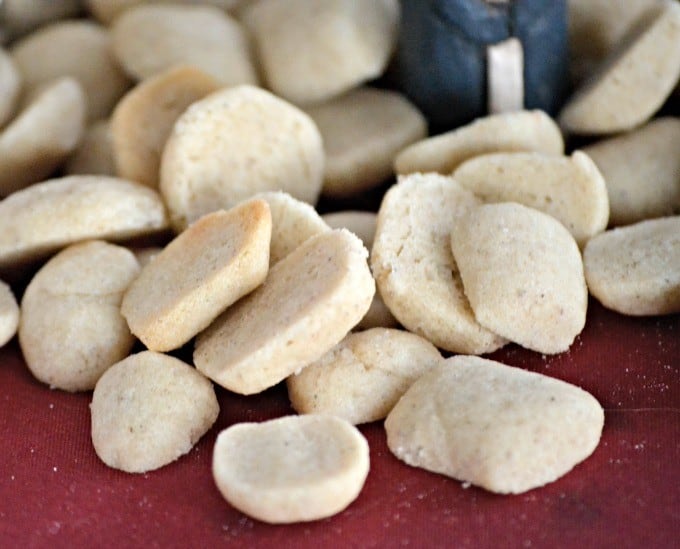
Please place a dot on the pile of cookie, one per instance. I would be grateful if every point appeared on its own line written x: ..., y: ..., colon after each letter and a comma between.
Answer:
x: 214, y: 128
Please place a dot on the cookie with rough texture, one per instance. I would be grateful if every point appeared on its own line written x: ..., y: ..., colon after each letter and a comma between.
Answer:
x: 363, y: 376
x: 148, y: 39
x: 148, y: 410
x: 9, y: 314
x: 506, y: 132
x: 633, y: 82
x: 642, y: 171
x: 523, y: 275
x: 233, y: 144
x: 42, y: 136
x: 71, y: 329
x: 45, y: 217
x: 213, y: 263
x: 291, y: 469
x: 80, y: 49
x: 414, y: 268
x: 363, y: 224
x: 362, y: 131
x: 310, y: 300
x: 571, y: 189
x: 293, y: 222
x: 635, y: 270
x: 10, y: 87
x: 144, y: 117
x: 502, y: 428
x: 94, y: 155
x: 312, y: 50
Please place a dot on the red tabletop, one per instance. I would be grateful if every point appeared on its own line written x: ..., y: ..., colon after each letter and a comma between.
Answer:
x: 54, y: 491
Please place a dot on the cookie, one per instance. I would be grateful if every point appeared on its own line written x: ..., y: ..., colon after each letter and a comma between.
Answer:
x: 9, y: 314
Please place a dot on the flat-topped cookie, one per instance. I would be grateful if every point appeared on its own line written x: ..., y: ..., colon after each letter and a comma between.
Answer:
x: 144, y: 117
x: 310, y: 300
x: 148, y: 410
x: 94, y: 155
x: 506, y: 132
x: 363, y: 376
x: 362, y: 131
x: 291, y: 469
x: 642, y: 171
x: 235, y: 143
x: 214, y: 262
x: 71, y: 329
x: 523, y: 275
x: 414, y: 268
x: 571, y: 189
x: 9, y: 314
x: 502, y: 428
x: 45, y: 217
x: 635, y: 270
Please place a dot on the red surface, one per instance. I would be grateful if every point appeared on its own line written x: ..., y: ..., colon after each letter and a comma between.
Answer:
x: 55, y: 492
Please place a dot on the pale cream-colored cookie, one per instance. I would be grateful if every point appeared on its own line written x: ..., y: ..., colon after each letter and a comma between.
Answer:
x: 523, y: 275
x: 148, y: 39
x: 635, y: 270
x: 502, y: 428
x: 79, y: 49
x: 633, y: 82
x: 362, y: 132
x: 571, y: 189
x: 414, y: 268
x: 9, y: 314
x: 642, y: 171
x: 94, y: 155
x: 144, y: 117
x: 233, y: 144
x: 45, y: 217
x: 293, y: 222
x: 71, y: 329
x: 10, y: 87
x: 148, y: 410
x: 22, y: 16
x: 312, y: 50
x: 42, y: 136
x: 363, y: 376
x: 363, y: 224
x: 213, y: 263
x: 310, y: 300
x: 291, y: 469
x: 506, y: 132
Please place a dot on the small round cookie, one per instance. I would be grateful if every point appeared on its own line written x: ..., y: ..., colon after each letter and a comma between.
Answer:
x: 362, y: 132
x: 10, y: 87
x: 22, y: 16
x: 94, y: 155
x: 635, y: 270
x: 642, y: 171
x: 148, y: 39
x: 9, y: 314
x: 144, y: 117
x: 71, y: 330
x: 502, y: 428
x: 310, y: 300
x: 45, y: 217
x: 506, y: 132
x: 523, y: 275
x: 293, y: 222
x: 233, y: 144
x: 312, y: 50
x: 363, y: 224
x: 42, y: 136
x: 413, y: 266
x: 363, y: 376
x: 79, y: 49
x: 291, y: 469
x: 148, y: 410
x: 571, y: 189
x: 213, y: 263
x: 633, y: 82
